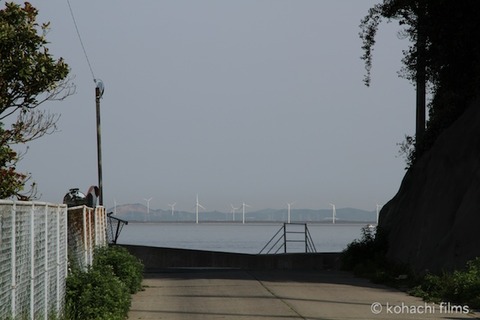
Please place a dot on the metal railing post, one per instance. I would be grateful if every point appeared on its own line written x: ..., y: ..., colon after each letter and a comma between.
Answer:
x: 65, y: 232
x: 13, y: 262
x: 95, y: 233
x: 117, y: 232
x: 46, y: 265
x: 58, y: 260
x: 32, y: 261
x: 85, y: 239
x: 90, y: 244
x: 306, y: 243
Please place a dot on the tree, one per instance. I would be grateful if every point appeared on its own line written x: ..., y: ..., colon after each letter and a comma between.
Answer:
x: 29, y: 76
x: 444, y: 53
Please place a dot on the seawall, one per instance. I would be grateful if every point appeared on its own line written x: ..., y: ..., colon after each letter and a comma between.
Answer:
x: 155, y: 258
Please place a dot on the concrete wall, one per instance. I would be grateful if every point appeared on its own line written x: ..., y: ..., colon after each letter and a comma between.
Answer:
x: 155, y: 258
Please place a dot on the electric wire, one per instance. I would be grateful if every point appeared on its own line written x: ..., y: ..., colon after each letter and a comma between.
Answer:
x: 81, y: 42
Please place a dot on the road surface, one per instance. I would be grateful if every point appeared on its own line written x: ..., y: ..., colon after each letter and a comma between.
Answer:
x: 234, y: 294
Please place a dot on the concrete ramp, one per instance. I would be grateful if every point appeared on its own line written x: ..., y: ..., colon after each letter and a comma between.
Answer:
x: 227, y: 294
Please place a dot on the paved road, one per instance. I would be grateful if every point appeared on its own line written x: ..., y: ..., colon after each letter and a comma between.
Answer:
x: 273, y: 295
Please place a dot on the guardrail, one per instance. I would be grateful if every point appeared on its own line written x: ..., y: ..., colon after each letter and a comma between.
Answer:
x: 290, y: 233
x: 115, y: 226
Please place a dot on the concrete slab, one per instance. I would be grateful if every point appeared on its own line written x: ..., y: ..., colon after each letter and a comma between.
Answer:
x: 239, y: 294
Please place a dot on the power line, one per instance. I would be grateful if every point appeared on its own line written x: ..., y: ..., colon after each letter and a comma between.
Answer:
x: 81, y: 42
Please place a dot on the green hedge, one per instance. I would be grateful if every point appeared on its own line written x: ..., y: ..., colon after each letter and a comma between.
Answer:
x: 103, y: 291
x: 125, y: 266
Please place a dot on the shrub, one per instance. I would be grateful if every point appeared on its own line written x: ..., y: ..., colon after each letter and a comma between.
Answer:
x: 362, y: 254
x: 103, y: 291
x: 366, y: 257
x: 96, y: 294
x: 458, y: 286
x: 125, y: 266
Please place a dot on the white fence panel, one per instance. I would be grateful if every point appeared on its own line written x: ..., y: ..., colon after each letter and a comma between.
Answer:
x: 86, y: 231
x: 36, y: 239
x: 33, y: 259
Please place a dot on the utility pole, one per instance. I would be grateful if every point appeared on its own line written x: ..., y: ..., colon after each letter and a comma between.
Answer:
x: 99, y: 89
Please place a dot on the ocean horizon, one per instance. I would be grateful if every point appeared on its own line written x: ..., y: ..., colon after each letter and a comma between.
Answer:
x: 235, y: 237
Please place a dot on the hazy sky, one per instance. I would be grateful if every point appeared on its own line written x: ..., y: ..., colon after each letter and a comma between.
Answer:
x: 259, y: 101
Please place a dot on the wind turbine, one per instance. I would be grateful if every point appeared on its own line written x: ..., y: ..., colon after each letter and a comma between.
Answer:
x: 197, y: 205
x: 334, y: 213
x: 378, y: 211
x: 243, y: 211
x: 148, y: 208
x: 114, y: 206
x: 172, y: 206
x: 233, y: 211
x: 289, y: 205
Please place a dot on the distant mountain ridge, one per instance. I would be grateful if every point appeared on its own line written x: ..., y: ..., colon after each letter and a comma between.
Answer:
x: 138, y: 212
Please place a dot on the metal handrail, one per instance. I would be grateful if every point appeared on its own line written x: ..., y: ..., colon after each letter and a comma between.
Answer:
x: 309, y: 244
x: 279, y: 236
x: 120, y: 223
x: 268, y: 243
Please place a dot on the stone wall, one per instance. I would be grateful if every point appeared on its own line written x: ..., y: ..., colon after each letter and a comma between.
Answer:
x: 433, y: 222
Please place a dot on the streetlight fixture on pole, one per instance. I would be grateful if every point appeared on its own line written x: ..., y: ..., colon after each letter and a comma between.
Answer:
x: 99, y: 89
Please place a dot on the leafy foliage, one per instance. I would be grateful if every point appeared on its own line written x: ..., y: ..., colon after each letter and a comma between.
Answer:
x: 458, y: 286
x: 11, y: 182
x: 406, y: 12
x: 366, y: 257
x: 125, y: 266
x: 407, y: 150
x: 103, y: 291
x: 96, y: 294
x: 362, y: 253
x: 27, y: 69
x: 29, y: 76
x: 449, y: 31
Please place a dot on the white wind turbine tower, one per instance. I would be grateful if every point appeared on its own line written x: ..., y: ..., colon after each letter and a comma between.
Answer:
x: 334, y: 213
x: 114, y: 206
x: 197, y: 205
x: 243, y: 211
x: 172, y: 206
x: 148, y: 207
x: 233, y: 211
x: 289, y: 205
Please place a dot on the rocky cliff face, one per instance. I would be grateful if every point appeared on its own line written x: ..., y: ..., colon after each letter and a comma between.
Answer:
x: 433, y: 222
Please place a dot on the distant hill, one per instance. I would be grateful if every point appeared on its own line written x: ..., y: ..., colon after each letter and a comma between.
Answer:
x: 138, y: 212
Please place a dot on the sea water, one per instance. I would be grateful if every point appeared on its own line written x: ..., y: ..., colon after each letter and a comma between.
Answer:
x: 236, y: 237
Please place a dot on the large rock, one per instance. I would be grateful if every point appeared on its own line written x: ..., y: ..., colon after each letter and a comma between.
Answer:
x: 433, y: 222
